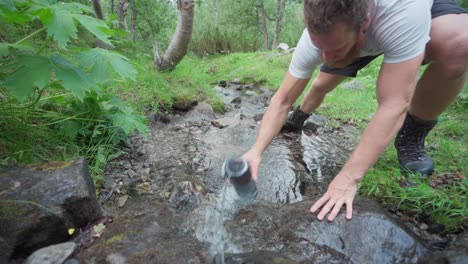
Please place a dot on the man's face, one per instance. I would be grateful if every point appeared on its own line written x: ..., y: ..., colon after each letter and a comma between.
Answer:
x: 340, y: 46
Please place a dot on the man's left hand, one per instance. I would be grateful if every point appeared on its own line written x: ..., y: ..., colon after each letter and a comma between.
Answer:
x: 340, y: 192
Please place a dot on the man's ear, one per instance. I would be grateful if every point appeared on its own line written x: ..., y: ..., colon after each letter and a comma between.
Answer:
x: 365, y: 25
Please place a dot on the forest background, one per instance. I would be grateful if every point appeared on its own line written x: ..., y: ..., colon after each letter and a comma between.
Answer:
x: 77, y: 78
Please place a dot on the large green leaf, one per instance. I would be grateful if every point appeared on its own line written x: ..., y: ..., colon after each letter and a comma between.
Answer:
x: 61, y: 20
x: 9, y: 14
x: 104, y: 65
x: 28, y: 72
x: 7, y: 5
x: 61, y: 26
x: 95, y: 26
x: 73, y: 79
x: 127, y: 119
x: 4, y: 48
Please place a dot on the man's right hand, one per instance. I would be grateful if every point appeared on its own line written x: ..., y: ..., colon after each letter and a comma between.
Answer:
x: 253, y: 158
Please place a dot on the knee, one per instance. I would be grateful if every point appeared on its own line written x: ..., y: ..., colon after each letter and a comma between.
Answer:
x: 452, y: 56
x: 320, y: 87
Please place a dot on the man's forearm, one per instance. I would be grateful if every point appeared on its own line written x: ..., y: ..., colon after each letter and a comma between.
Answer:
x: 273, y: 119
x: 277, y: 112
x: 377, y: 136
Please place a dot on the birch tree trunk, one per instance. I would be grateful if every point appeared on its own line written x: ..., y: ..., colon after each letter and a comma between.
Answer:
x: 180, y: 40
x: 216, y: 13
x: 122, y: 13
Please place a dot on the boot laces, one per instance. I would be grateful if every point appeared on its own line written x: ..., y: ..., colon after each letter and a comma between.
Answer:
x: 412, y: 147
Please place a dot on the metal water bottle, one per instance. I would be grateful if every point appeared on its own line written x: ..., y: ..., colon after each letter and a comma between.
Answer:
x: 238, y: 172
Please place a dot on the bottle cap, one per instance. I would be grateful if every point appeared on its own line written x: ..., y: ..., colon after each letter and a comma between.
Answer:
x: 235, y: 167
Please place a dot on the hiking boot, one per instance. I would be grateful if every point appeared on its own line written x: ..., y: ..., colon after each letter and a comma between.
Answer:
x: 409, y: 144
x: 296, y: 120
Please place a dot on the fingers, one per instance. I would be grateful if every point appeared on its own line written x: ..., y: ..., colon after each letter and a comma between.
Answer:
x: 254, y: 171
x: 336, y: 210
x: 254, y: 163
x: 326, y: 209
x: 329, y: 203
x: 319, y: 203
x: 349, y: 209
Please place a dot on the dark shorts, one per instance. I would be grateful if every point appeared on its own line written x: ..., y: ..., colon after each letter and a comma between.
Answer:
x: 439, y: 8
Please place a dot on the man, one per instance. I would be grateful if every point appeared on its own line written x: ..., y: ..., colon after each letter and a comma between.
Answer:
x: 345, y: 35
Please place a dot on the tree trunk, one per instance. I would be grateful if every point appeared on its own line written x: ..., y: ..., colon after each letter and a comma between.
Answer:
x: 264, y: 21
x: 112, y: 11
x: 98, y: 9
x: 280, y: 6
x: 180, y: 40
x: 99, y: 15
x: 122, y: 13
x: 133, y: 20
x: 216, y: 13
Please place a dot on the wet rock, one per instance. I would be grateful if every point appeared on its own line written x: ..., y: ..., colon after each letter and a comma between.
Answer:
x: 354, y: 84
x: 236, y: 81
x: 456, y: 253
x: 5, y: 250
x: 230, y: 121
x: 436, y: 228
x: 160, y: 118
x: 237, y: 87
x: 40, y: 203
x: 145, y: 231
x: 318, y: 120
x: 237, y: 100
x: 183, y: 105
x: 201, y: 112
x: 186, y: 195
x: 222, y: 83
x: 131, y: 173
x: 52, y: 254
x: 250, y: 93
x: 144, y: 188
x: 122, y: 200
x: 258, y: 257
x: 371, y: 236
x: 258, y: 117
x: 116, y: 258
x: 72, y: 261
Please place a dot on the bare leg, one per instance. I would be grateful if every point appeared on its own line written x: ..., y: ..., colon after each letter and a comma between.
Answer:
x: 323, y: 84
x: 443, y: 79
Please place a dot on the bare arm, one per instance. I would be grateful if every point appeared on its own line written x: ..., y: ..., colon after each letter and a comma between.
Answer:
x: 395, y: 88
x: 274, y: 118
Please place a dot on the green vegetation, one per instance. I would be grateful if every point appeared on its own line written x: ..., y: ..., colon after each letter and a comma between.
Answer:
x: 61, y: 98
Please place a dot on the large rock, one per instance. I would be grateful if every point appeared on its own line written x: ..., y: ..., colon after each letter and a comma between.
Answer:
x: 39, y: 204
x: 371, y: 236
x: 145, y: 231
x: 52, y: 254
x: 456, y: 253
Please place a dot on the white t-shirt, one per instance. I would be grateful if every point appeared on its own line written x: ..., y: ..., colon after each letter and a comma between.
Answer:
x: 398, y: 28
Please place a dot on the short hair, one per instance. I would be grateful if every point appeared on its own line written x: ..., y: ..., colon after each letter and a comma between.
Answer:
x: 320, y: 15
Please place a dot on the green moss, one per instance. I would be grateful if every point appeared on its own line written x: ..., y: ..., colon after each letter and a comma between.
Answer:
x: 113, y: 239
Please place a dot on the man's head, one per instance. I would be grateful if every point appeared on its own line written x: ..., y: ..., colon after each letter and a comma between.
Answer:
x: 337, y: 28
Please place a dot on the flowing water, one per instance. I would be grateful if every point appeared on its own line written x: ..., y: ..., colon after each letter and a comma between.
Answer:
x: 219, y: 235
